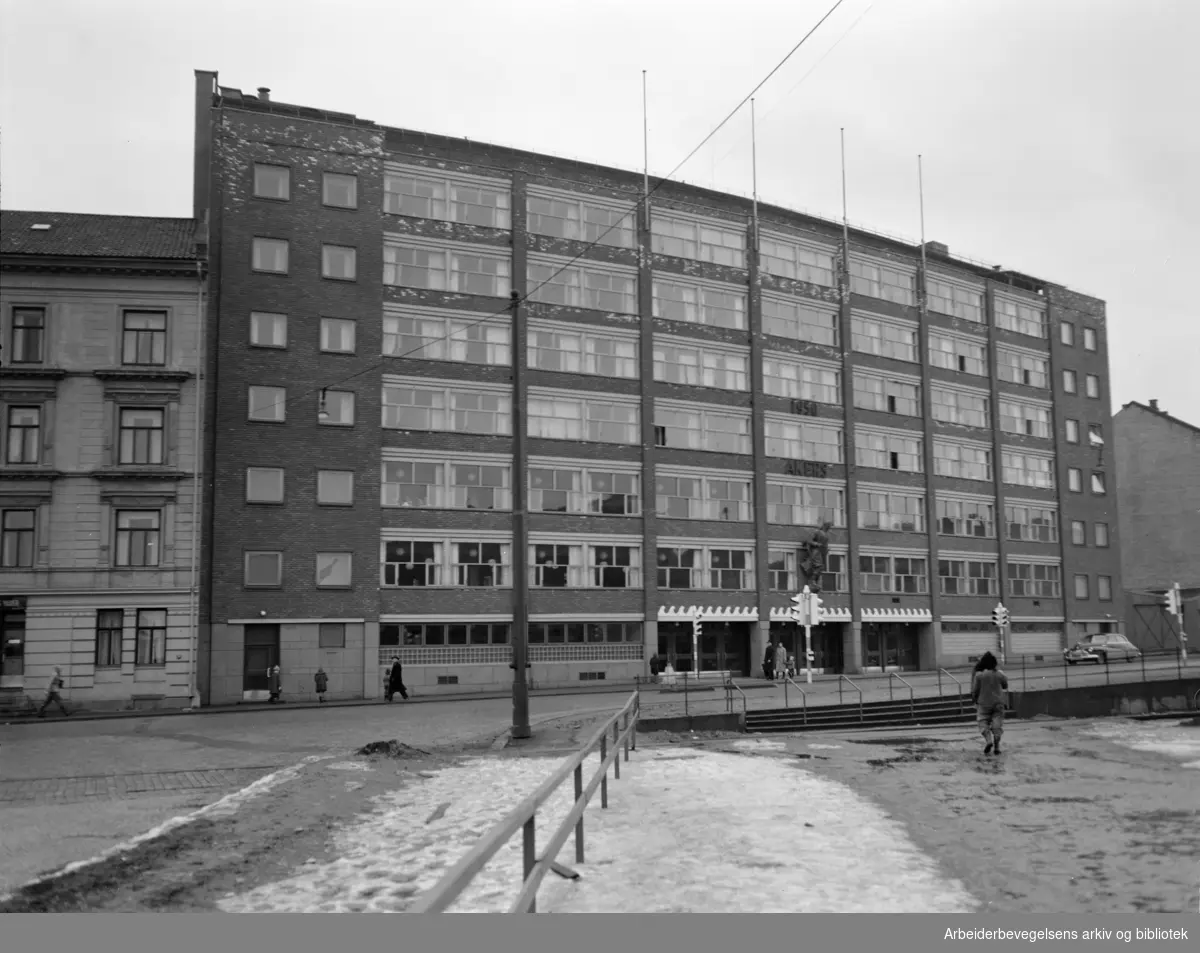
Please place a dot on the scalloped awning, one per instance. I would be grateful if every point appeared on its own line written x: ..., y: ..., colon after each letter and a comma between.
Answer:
x: 897, y: 615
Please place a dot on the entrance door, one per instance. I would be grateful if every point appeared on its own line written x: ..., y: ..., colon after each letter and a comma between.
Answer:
x: 725, y: 647
x: 889, y: 646
x: 260, y: 652
x: 675, y: 645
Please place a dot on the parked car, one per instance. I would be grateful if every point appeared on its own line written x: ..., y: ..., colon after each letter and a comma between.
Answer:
x: 1102, y: 649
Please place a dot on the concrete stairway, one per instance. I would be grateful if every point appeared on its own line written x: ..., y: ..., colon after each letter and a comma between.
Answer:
x: 885, y: 714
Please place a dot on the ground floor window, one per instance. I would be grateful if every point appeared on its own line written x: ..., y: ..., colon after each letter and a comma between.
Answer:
x: 110, y: 625
x: 151, y: 637
x: 440, y: 633
x: 558, y: 633
x: 12, y: 632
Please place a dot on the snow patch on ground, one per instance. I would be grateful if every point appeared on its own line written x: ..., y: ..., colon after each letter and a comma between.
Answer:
x: 350, y: 766
x: 1169, y: 739
x: 759, y: 744
x: 680, y: 834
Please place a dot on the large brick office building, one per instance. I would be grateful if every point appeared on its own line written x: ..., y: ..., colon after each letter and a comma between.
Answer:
x: 693, y: 412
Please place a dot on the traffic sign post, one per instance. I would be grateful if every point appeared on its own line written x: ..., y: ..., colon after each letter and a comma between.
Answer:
x: 1175, y: 607
x: 806, y: 611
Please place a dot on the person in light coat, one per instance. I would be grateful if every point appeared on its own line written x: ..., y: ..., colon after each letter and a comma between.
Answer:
x: 52, y: 693
x: 781, y: 661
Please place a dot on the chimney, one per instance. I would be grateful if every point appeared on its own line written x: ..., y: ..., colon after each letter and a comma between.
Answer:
x: 1154, y: 406
x: 264, y: 93
x: 937, y: 248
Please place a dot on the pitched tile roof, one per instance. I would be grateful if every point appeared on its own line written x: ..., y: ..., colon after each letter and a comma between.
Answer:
x: 95, y: 236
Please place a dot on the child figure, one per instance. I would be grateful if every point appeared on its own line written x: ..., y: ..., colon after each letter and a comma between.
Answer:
x: 322, y: 682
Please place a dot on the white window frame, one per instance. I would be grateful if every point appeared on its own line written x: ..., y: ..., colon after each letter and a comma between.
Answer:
x: 443, y: 564
x: 583, y: 500
x: 893, y: 512
x: 277, y: 472
x: 590, y: 406
x: 788, y: 573
x: 262, y: 405
x: 247, y: 584
x: 705, y: 250
x: 1074, y: 480
x: 971, y: 583
x: 706, y: 506
x: 786, y: 434
x: 1070, y: 381
x: 955, y: 413
x: 1091, y: 386
x: 1011, y: 504
x: 287, y: 181
x: 1025, y: 317
x: 707, y: 436
x: 888, y: 583
x: 349, y: 563
x: 883, y: 346
x: 868, y: 285
x: 335, y: 502
x: 328, y: 324
x: 274, y: 322
x: 890, y: 436
x: 809, y: 322
x: 1035, y: 420
x: 587, y: 359
x: 805, y: 513
x: 449, y: 182
x: 254, y: 257
x: 331, y: 175
x: 889, y: 398
x: 964, y: 300
x: 1090, y: 333
x: 451, y: 336
x: 1066, y: 333
x: 705, y: 569
x: 451, y: 278
x: 444, y: 495
x: 624, y: 233
x: 335, y: 402
x: 701, y: 312
x: 962, y: 363
x: 449, y: 389
x: 940, y: 442
x: 1007, y: 467
x: 709, y: 368
x: 1052, y: 588
x: 962, y: 519
x: 327, y: 250
x: 571, y: 276
x: 812, y: 271
x: 803, y: 378
x: 1018, y: 371
x: 589, y: 563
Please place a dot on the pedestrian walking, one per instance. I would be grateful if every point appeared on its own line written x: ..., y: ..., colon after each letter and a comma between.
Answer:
x: 274, y: 684
x: 769, y: 662
x: 395, y: 683
x: 52, y: 693
x: 781, y: 661
x: 989, y: 686
x: 321, y: 680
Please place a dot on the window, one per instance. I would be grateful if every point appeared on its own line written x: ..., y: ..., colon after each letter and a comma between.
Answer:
x: 272, y: 181
x: 427, y: 193
x: 1019, y: 367
x: 339, y: 261
x: 703, y: 498
x: 1104, y: 588
x: 903, y: 575
x: 110, y: 624
x: 1095, y: 435
x: 264, y: 484
x: 1066, y: 333
x: 1092, y: 385
x: 331, y: 635
x: 882, y: 281
x: 790, y: 319
x: 268, y: 329
x: 796, y: 504
x: 334, y: 570
x: 1081, y: 586
x: 888, y: 451
x: 1078, y: 533
x: 952, y: 406
x: 835, y: 578
x: 595, y: 419
x: 580, y: 219
x: 1099, y: 484
x: 701, y: 429
x: 794, y: 440
x: 338, y: 335
x: 1021, y: 318
x: 263, y: 570
x: 479, y: 633
x: 1034, y: 580
x: 1074, y: 480
x: 144, y: 338
x: 684, y: 567
x: 582, y: 284
x: 680, y: 300
x: 12, y: 642
x: 24, y: 435
x: 1068, y: 381
x: 887, y: 395
x: 1089, y: 342
x: 424, y: 485
x: 338, y: 406
x: 800, y: 262
x: 1100, y: 535
x: 1027, y: 469
x: 957, y: 300
x: 615, y: 567
x: 479, y: 269
x: 556, y: 567
x: 18, y: 530
x: 151, y: 637
x: 457, y: 408
x: 408, y: 563
x: 871, y: 336
x: 889, y: 510
x: 957, y: 354
x: 961, y: 461
x: 968, y: 577
x: 28, y: 335
x: 730, y: 569
x: 781, y: 570
x: 428, y: 336
x: 701, y: 366
x: 1031, y: 523
x: 141, y: 437
x: 479, y: 487
x: 584, y: 490
x: 479, y: 565
x: 722, y: 244
x: 963, y: 517
x: 554, y: 633
x: 1072, y: 430
x: 793, y: 377
x: 268, y: 404
x: 335, y: 487
x: 339, y: 190
x: 270, y: 254
x: 138, y: 538
x: 579, y: 351
x: 1031, y: 420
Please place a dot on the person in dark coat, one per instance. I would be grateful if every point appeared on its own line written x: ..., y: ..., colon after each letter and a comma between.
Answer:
x: 274, y: 684
x: 395, y: 683
x: 989, y: 686
x: 769, y: 661
x: 321, y: 681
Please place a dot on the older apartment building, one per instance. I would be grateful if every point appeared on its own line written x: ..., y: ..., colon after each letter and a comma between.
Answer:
x: 100, y: 327
x: 694, y: 399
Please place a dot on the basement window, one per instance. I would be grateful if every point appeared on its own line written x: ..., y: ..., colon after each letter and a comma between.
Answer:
x: 447, y: 679
x: 591, y: 676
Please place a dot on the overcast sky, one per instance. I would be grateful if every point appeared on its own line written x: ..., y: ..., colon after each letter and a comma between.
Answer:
x: 1060, y: 137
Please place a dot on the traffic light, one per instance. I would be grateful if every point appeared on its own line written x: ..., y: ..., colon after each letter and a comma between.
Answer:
x: 800, y: 607
x: 1000, y: 615
x: 814, y: 608
x: 1174, y: 603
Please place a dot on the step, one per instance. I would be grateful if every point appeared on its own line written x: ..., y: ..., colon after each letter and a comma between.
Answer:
x: 839, y: 710
x: 852, y: 725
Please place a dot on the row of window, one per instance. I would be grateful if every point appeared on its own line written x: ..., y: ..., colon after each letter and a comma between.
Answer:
x: 143, y: 336
x: 497, y: 633
x: 137, y: 539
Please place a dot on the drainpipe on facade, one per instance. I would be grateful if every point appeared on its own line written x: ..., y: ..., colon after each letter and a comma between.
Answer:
x: 198, y: 428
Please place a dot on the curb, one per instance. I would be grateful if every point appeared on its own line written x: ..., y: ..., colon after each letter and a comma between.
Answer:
x: 501, y: 740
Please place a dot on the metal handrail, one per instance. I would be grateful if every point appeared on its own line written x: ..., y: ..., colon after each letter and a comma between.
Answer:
x: 950, y: 676
x: 842, y: 678
x: 730, y: 687
x: 912, y: 698
x: 803, y: 696
x: 459, y: 877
